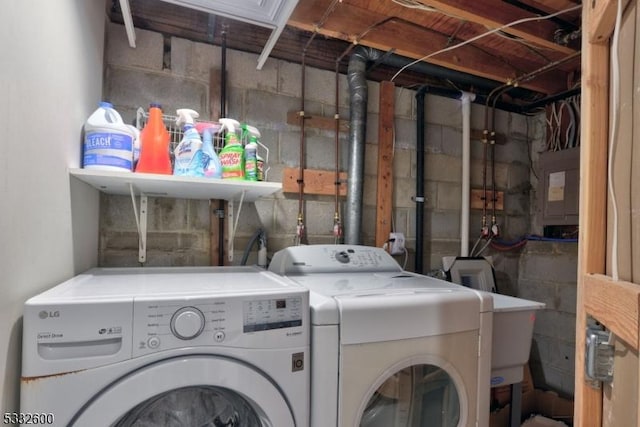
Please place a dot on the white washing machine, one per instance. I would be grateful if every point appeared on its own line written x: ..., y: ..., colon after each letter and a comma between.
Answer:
x: 391, y: 348
x: 222, y: 346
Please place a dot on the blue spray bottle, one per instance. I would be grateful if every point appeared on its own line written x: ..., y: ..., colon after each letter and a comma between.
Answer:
x: 211, y: 162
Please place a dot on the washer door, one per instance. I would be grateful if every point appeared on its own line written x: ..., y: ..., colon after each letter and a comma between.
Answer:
x: 415, y: 396
x: 188, y: 391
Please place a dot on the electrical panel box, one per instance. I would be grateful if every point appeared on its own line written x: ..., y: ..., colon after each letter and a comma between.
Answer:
x: 558, y: 187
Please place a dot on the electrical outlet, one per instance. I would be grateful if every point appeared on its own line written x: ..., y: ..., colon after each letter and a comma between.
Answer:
x: 396, y: 243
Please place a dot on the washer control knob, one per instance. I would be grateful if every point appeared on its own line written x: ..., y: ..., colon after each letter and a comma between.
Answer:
x: 219, y: 336
x: 153, y: 342
x: 343, y: 257
x: 187, y: 323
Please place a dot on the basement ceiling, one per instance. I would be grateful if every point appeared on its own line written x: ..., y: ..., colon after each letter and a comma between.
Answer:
x: 541, y: 55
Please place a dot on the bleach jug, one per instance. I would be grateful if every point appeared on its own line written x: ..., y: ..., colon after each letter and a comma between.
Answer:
x: 154, y: 145
x: 108, y: 142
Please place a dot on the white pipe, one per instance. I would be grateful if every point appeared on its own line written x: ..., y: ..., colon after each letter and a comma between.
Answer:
x: 466, y: 99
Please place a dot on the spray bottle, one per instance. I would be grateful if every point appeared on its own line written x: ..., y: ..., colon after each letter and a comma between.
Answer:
x: 188, y: 154
x: 210, y: 160
x: 232, y: 155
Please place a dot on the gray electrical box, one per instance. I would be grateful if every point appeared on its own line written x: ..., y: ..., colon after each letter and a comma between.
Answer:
x: 559, y: 186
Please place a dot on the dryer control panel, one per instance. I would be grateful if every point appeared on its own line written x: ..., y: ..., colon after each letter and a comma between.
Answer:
x: 265, y: 321
x: 314, y: 259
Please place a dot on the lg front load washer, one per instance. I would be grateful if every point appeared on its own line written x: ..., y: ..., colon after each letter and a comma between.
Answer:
x: 391, y: 348
x: 180, y: 346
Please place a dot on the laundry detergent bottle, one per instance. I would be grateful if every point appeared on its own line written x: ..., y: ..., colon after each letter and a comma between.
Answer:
x: 154, y: 145
x: 188, y: 154
x: 232, y: 155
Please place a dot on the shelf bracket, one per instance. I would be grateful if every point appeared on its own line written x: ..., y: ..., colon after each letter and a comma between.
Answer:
x: 141, y: 223
x: 233, y: 223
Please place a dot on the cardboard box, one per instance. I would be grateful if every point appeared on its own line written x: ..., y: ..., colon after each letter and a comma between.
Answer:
x: 536, y: 402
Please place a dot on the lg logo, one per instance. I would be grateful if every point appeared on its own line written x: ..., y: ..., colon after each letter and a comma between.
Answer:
x: 46, y: 314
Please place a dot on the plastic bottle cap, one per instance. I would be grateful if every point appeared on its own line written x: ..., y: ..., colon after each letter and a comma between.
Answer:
x: 105, y: 104
x: 155, y: 105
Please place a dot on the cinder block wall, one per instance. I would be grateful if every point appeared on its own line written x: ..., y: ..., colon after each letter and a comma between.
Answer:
x: 548, y: 272
x: 176, y: 73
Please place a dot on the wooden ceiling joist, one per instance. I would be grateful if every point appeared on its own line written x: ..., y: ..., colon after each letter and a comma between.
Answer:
x: 413, y: 41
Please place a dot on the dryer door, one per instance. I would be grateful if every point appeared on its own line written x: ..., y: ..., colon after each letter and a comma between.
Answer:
x: 187, y: 391
x: 418, y: 395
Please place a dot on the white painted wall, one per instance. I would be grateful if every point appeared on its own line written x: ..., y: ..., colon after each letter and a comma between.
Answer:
x: 50, y: 81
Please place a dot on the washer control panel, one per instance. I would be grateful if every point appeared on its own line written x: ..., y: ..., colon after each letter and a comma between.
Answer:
x: 332, y: 259
x: 269, y: 321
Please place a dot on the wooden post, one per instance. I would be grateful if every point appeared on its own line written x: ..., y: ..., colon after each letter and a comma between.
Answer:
x: 385, y: 163
x: 593, y: 203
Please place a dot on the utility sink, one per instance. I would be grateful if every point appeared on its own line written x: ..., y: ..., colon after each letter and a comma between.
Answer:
x: 513, y: 320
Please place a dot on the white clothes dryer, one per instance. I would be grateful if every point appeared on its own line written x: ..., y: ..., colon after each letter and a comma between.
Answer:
x: 391, y: 348
x: 179, y: 346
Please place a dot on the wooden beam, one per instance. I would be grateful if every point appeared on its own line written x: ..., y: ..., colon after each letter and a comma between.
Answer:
x: 414, y: 41
x: 593, y: 206
x: 616, y: 304
x: 495, y: 16
x: 317, y: 122
x: 478, y: 202
x: 384, y: 197
x: 602, y: 19
x: 316, y: 181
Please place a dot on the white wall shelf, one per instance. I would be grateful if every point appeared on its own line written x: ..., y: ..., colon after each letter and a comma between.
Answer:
x: 154, y: 185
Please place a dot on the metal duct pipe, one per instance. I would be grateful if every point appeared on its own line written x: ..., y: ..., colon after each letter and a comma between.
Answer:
x: 420, y: 178
x: 358, y: 93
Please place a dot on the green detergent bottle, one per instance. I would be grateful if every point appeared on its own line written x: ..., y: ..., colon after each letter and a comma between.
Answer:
x: 232, y: 155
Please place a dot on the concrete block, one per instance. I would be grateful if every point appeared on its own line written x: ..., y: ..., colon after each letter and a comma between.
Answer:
x: 373, y: 97
x: 118, y: 258
x: 368, y: 226
x: 404, y: 189
x: 518, y: 126
x: 439, y: 167
x: 443, y: 111
x: 118, y: 240
x: 514, y: 227
x: 449, y: 196
x: 148, y: 53
x: 253, y: 216
x: 320, y: 85
x: 242, y: 72
x: 132, y: 88
x: 167, y: 214
x: 519, y: 176
x: 400, y: 222
x: 567, y: 297
x: 267, y: 108
x: 404, y: 163
x: 405, y: 135
x: 116, y: 213
x: 286, y: 215
x: 513, y: 151
x: 236, y: 102
x: 289, y: 75
x: 369, y: 190
x: 320, y: 153
x: 516, y: 203
x: 371, y: 159
x: 195, y: 60
x: 199, y: 215
x: 319, y: 218
x: 372, y: 128
x: 452, y: 141
x: 501, y: 174
x: 404, y: 103
x: 443, y: 225
x: 549, y: 267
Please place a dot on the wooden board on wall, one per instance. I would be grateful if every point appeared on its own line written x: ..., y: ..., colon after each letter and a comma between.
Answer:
x: 478, y: 202
x: 316, y: 181
x: 317, y: 122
